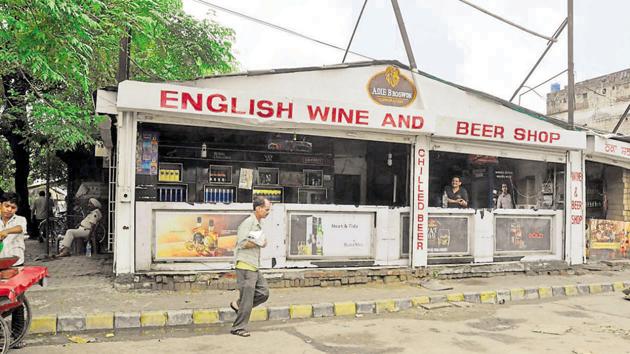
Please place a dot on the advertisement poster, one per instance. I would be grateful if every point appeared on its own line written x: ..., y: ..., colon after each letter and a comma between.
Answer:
x: 185, y: 235
x: 147, y: 153
x: 608, y: 239
x: 246, y: 178
x: 522, y: 234
x: 331, y: 235
x: 447, y: 234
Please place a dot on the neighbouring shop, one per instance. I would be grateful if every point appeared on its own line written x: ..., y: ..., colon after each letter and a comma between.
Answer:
x: 607, y: 205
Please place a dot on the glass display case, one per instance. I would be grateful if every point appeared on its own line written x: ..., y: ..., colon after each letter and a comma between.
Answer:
x: 273, y: 194
x: 268, y: 176
x: 170, y: 172
x: 313, y: 178
x: 220, y: 174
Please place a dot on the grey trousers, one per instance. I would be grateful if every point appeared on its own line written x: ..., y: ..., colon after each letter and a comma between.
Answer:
x: 253, y: 290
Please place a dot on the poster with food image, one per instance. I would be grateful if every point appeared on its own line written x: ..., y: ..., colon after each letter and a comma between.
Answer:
x: 190, y: 235
x: 607, y: 239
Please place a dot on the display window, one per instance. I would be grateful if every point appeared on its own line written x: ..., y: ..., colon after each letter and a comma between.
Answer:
x: 212, y: 165
x: 470, y: 181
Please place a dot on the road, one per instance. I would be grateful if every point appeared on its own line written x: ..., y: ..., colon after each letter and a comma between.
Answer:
x: 580, y: 325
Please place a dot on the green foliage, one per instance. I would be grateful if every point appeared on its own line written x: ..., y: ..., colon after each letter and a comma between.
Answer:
x: 8, y: 167
x: 54, y: 54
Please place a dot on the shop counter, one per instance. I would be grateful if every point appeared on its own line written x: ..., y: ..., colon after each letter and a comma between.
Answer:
x: 202, y: 236
x: 486, y: 235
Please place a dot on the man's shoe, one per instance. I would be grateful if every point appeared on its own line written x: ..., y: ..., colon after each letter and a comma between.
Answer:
x: 64, y: 252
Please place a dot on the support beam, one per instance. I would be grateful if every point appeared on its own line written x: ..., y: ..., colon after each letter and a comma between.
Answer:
x: 356, y: 25
x: 571, y: 86
x: 403, y: 34
x: 555, y: 36
x: 623, y: 116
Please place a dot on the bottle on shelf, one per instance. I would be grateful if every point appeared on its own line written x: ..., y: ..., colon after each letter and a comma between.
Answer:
x: 320, y: 237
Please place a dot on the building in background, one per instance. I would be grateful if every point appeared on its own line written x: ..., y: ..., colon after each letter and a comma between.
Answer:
x: 599, y: 102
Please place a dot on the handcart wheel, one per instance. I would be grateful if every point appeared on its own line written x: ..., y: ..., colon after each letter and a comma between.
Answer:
x: 5, y: 336
x: 20, y: 321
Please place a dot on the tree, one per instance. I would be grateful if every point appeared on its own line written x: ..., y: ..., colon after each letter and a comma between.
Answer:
x: 55, y: 54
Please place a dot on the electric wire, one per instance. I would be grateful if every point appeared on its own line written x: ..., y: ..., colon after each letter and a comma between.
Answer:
x: 280, y: 28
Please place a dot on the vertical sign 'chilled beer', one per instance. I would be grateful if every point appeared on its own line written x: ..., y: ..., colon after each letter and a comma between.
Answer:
x: 420, y: 192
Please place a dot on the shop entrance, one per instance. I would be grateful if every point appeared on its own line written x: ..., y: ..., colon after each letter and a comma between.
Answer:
x: 607, y: 227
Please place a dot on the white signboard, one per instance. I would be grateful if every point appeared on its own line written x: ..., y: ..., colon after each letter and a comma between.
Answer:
x: 420, y: 203
x: 526, y: 132
x: 248, y: 109
x: 340, y: 235
x: 575, y: 238
x: 610, y: 148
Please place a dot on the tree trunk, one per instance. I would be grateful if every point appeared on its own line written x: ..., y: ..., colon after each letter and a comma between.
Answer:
x: 22, y: 169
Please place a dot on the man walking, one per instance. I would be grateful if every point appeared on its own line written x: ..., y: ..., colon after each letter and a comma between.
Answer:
x: 40, y: 212
x: 252, y: 286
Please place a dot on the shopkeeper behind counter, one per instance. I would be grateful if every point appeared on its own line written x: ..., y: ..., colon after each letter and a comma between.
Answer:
x: 455, y: 196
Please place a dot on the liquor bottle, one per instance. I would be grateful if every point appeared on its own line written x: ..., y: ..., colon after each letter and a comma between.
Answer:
x: 212, y: 236
x: 320, y: 237
x: 197, y: 232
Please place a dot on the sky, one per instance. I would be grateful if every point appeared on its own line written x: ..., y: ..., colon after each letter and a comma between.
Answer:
x: 450, y: 39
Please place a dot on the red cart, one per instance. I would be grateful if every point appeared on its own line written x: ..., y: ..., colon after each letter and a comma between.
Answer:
x: 14, y: 307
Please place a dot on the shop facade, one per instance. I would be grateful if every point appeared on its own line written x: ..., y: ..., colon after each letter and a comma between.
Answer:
x: 353, y: 157
x: 607, y: 171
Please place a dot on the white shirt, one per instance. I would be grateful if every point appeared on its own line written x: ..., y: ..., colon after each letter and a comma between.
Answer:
x: 91, y: 219
x: 14, y: 243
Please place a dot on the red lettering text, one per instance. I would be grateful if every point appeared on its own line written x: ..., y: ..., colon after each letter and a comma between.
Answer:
x: 164, y: 99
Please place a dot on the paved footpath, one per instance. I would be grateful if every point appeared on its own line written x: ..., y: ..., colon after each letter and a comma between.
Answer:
x: 80, y: 296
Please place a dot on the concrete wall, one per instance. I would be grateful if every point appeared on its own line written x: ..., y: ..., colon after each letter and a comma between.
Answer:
x: 599, y: 102
x: 614, y: 192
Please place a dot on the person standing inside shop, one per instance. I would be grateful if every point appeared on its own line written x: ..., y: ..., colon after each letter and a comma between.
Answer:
x: 504, y: 200
x: 456, y: 196
x: 252, y: 286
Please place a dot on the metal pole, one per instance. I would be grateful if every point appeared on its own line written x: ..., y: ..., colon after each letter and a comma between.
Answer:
x: 403, y: 34
x: 623, y: 116
x: 571, y: 87
x: 507, y: 21
x: 555, y: 36
x: 353, y: 32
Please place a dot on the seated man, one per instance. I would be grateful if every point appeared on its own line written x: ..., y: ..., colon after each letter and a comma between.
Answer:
x: 12, y: 228
x: 456, y: 196
x: 83, y: 231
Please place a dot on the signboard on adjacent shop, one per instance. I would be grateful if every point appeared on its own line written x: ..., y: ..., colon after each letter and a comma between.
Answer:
x: 339, y: 235
x: 613, y: 149
x: 195, y: 236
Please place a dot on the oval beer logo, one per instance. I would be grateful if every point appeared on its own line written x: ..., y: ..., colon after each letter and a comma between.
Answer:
x: 391, y: 88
